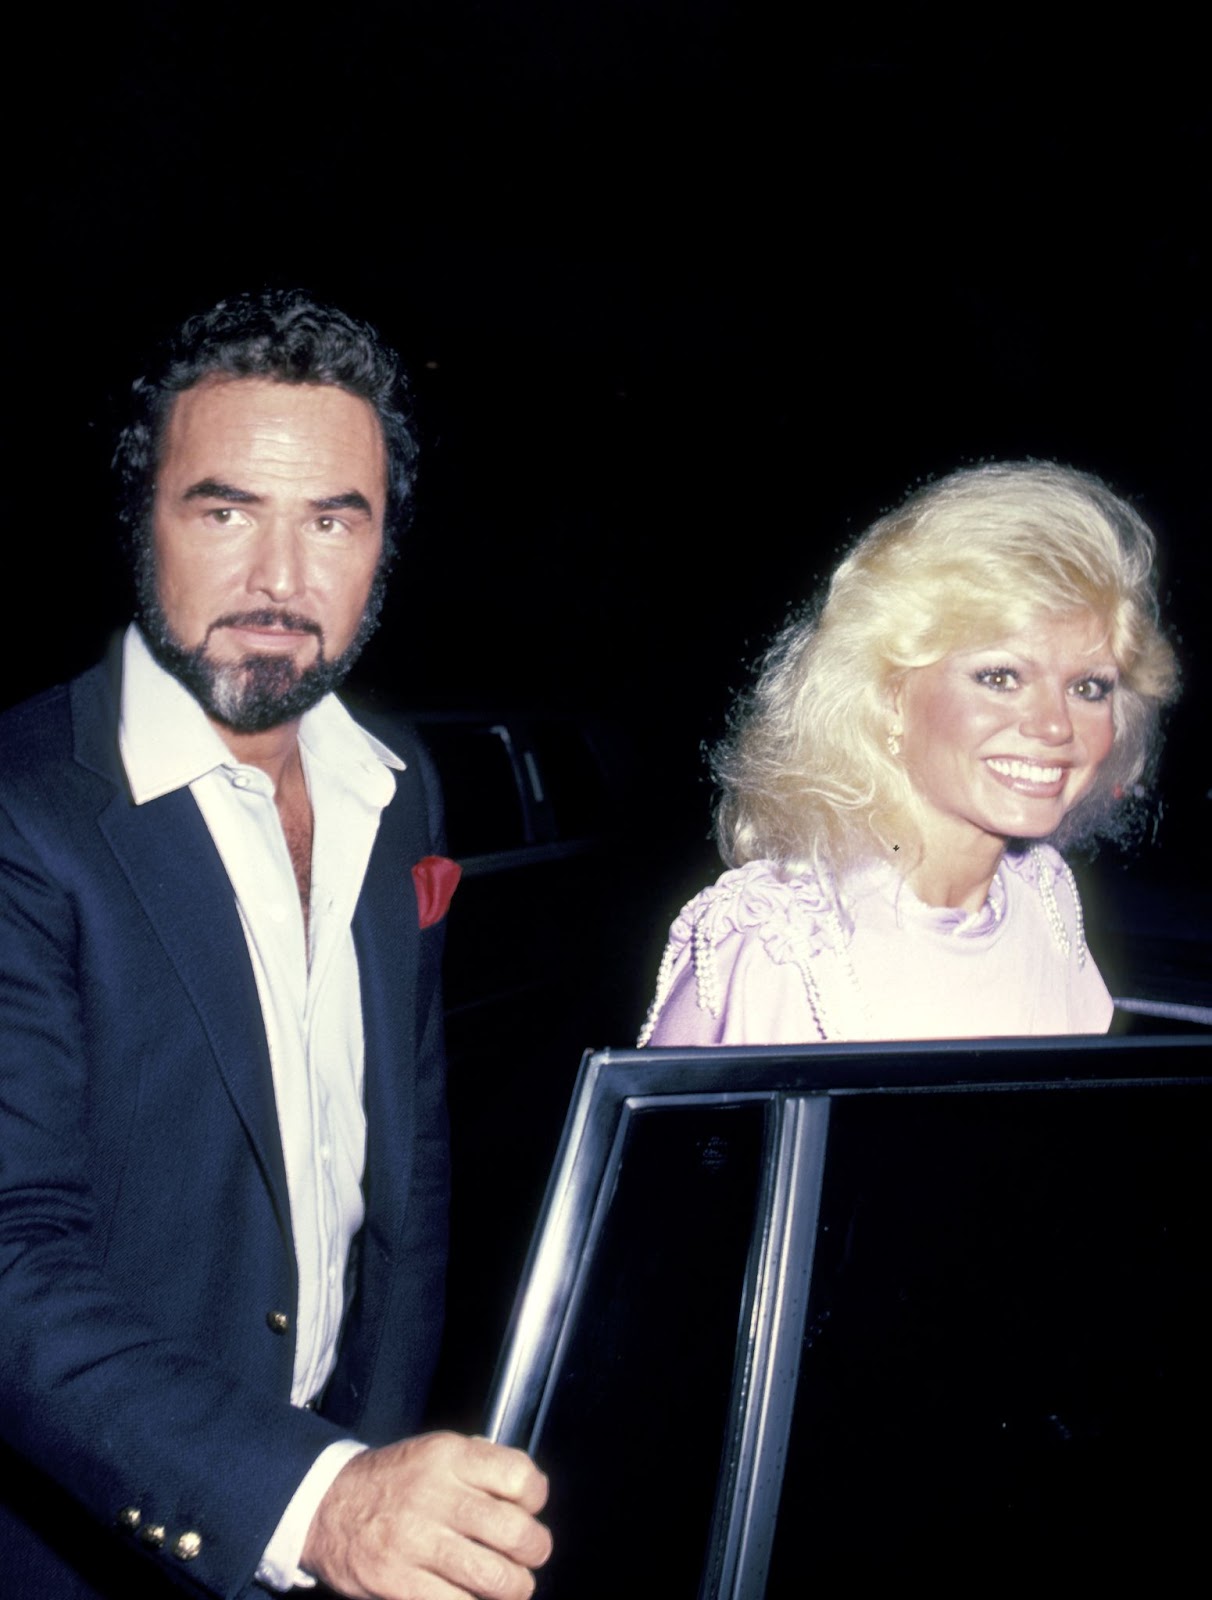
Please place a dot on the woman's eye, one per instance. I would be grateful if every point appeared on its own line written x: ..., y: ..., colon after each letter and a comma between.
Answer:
x: 1094, y: 689
x: 998, y: 678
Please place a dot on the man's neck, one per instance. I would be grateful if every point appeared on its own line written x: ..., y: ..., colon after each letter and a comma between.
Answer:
x: 275, y: 750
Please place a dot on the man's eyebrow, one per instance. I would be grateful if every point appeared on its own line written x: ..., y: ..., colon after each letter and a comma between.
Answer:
x: 351, y: 500
x: 215, y: 489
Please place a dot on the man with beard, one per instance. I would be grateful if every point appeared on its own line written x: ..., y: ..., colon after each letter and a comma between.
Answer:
x: 222, y: 1200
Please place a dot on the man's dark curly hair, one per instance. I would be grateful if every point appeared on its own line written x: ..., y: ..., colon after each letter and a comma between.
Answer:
x: 280, y: 334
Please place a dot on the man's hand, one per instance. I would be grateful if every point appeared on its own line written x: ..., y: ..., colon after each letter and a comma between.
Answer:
x: 440, y: 1517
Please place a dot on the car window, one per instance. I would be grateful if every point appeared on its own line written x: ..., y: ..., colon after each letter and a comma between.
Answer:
x: 483, y: 811
x: 633, y: 1427
x: 854, y: 1312
x: 571, y: 777
x: 1002, y: 1341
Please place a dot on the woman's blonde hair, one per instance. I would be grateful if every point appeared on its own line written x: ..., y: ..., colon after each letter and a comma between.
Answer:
x: 806, y: 775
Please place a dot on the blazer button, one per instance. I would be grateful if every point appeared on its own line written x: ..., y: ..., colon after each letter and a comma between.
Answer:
x: 277, y: 1321
x: 153, y: 1535
x: 129, y: 1518
x: 187, y: 1545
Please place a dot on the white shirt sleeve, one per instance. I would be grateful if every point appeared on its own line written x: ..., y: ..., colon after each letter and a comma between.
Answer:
x: 279, y: 1566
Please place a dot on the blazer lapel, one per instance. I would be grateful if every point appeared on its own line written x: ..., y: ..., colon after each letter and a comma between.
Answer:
x: 169, y: 859
x: 385, y: 935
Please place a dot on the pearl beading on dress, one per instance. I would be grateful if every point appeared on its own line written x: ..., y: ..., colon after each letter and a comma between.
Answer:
x: 1046, y: 883
x: 709, y: 917
x: 663, y: 985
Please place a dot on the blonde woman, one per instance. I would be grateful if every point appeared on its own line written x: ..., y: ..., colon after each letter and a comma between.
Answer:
x: 980, y: 687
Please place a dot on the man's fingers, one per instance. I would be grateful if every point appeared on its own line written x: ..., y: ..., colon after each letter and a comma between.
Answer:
x: 411, y: 1517
x: 501, y: 1525
x: 487, y: 1573
x: 501, y: 1470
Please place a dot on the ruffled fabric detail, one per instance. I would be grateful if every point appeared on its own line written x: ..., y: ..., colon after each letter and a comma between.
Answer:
x: 751, y: 899
x: 796, y: 919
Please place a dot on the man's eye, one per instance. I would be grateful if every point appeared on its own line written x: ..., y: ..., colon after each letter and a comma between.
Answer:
x: 998, y: 678
x: 225, y: 517
x: 329, y: 525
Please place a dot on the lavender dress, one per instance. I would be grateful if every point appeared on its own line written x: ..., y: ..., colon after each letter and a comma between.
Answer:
x: 757, y: 959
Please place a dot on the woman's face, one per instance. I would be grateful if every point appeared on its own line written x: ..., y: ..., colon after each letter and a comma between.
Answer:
x: 1000, y: 742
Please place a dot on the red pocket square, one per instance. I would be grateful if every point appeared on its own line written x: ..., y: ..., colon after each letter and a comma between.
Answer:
x: 435, y: 878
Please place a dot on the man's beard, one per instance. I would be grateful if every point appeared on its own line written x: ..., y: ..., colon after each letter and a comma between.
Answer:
x: 259, y: 691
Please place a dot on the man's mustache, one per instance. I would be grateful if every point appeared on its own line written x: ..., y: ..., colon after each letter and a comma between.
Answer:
x: 287, y: 621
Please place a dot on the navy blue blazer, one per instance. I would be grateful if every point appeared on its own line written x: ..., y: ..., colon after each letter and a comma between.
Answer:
x: 147, y: 1271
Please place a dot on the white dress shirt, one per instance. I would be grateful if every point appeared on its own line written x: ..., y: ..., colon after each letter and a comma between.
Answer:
x: 307, y: 983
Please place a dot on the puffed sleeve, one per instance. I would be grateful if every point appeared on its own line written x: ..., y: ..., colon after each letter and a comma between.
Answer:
x: 746, y: 962
x: 759, y: 1001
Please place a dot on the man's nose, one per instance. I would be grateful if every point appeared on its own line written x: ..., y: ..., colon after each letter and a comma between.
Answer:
x: 1046, y: 715
x: 278, y: 568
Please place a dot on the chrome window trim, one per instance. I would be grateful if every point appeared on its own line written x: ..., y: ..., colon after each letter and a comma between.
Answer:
x: 746, y: 1523
x: 547, y: 1280
x: 574, y: 1212
x: 528, y: 855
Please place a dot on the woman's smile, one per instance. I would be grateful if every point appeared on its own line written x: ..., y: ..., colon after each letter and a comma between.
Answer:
x: 1000, y: 742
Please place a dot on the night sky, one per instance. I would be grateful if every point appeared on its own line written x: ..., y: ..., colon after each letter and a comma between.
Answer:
x: 690, y: 292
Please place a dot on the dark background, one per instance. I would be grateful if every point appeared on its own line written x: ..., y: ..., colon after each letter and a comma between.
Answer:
x: 691, y: 290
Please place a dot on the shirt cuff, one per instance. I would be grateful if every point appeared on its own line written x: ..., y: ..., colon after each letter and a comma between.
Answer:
x: 279, y: 1568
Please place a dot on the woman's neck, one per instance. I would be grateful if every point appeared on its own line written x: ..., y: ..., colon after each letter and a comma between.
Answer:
x: 956, y: 877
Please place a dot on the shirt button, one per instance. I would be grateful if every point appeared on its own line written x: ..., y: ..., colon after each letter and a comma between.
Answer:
x: 153, y: 1535
x: 129, y: 1518
x: 277, y: 1321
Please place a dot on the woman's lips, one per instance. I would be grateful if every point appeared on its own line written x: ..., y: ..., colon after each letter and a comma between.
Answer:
x: 1045, y: 779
